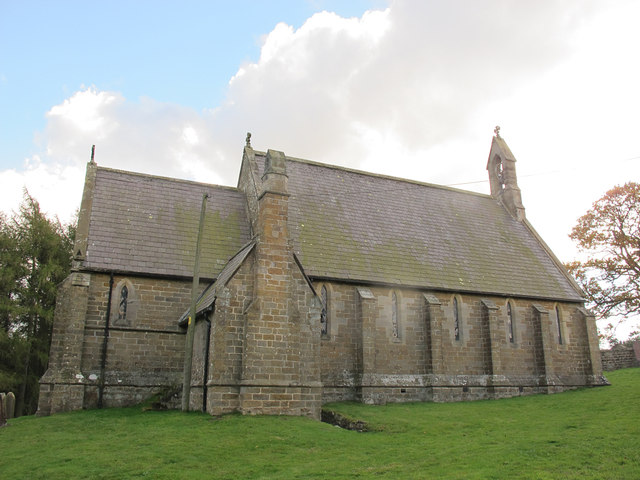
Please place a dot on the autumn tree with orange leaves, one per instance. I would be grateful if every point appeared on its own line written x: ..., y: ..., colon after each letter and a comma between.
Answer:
x: 609, y: 235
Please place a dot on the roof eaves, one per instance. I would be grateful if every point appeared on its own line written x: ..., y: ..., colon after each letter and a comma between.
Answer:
x: 135, y: 273
x: 427, y: 287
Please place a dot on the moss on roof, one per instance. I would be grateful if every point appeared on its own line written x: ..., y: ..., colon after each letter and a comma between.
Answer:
x: 148, y: 224
x: 345, y: 225
x: 351, y: 225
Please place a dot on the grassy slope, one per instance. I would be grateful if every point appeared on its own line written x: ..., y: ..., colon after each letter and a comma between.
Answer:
x: 592, y: 433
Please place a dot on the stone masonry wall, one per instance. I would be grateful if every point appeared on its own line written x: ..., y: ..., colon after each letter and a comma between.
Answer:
x: 425, y: 361
x: 624, y: 355
x: 145, y: 351
x: 227, y: 340
x: 61, y: 387
x: 340, y: 348
x: 145, y: 345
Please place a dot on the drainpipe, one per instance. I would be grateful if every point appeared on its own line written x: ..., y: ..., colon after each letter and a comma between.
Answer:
x: 206, y: 366
x: 105, y: 340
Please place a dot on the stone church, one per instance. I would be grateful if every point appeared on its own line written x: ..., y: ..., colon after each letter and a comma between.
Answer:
x: 317, y: 284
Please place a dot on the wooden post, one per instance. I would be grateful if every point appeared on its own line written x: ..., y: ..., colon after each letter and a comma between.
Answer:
x: 188, y: 351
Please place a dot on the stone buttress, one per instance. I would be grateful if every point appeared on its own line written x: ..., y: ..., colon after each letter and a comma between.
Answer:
x: 277, y: 371
x: 61, y: 387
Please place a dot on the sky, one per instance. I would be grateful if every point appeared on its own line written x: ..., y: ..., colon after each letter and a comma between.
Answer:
x: 409, y: 88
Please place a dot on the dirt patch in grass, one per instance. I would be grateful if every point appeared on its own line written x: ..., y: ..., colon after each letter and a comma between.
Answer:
x: 334, y: 418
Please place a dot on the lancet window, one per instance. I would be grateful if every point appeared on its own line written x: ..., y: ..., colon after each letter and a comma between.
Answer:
x: 395, y: 331
x: 456, y: 319
x: 122, y: 305
x: 324, y: 317
x: 558, y: 325
x: 510, y: 322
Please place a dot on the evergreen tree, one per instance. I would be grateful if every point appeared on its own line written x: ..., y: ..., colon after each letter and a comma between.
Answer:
x: 35, y: 256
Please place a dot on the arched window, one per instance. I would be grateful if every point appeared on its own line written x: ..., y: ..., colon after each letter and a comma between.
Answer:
x: 122, y: 305
x: 510, y: 322
x: 395, y: 331
x: 456, y: 319
x: 324, y: 320
x: 558, y: 325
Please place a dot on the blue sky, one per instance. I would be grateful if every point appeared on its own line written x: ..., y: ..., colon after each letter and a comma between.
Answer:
x: 402, y: 87
x: 410, y: 88
x: 177, y: 52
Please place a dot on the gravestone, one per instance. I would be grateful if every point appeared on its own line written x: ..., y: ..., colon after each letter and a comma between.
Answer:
x: 10, y: 405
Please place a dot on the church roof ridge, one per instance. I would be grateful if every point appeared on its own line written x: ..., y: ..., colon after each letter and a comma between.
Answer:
x: 165, y: 178
x: 382, y: 176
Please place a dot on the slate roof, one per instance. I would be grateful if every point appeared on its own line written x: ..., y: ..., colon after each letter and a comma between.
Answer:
x: 213, y: 290
x: 355, y: 226
x: 148, y: 224
x: 345, y: 225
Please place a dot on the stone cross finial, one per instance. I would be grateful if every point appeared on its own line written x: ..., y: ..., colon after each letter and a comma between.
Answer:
x: 497, y: 131
x: 248, y: 140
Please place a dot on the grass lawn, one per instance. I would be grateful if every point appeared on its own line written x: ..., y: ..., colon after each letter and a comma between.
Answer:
x: 584, y: 434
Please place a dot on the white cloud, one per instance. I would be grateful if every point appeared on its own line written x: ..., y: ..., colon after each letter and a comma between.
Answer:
x: 418, y: 73
x: 58, y: 188
x: 85, y: 111
x: 146, y: 135
x: 413, y: 90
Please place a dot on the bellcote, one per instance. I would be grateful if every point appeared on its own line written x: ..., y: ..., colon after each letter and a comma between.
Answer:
x: 502, y: 177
